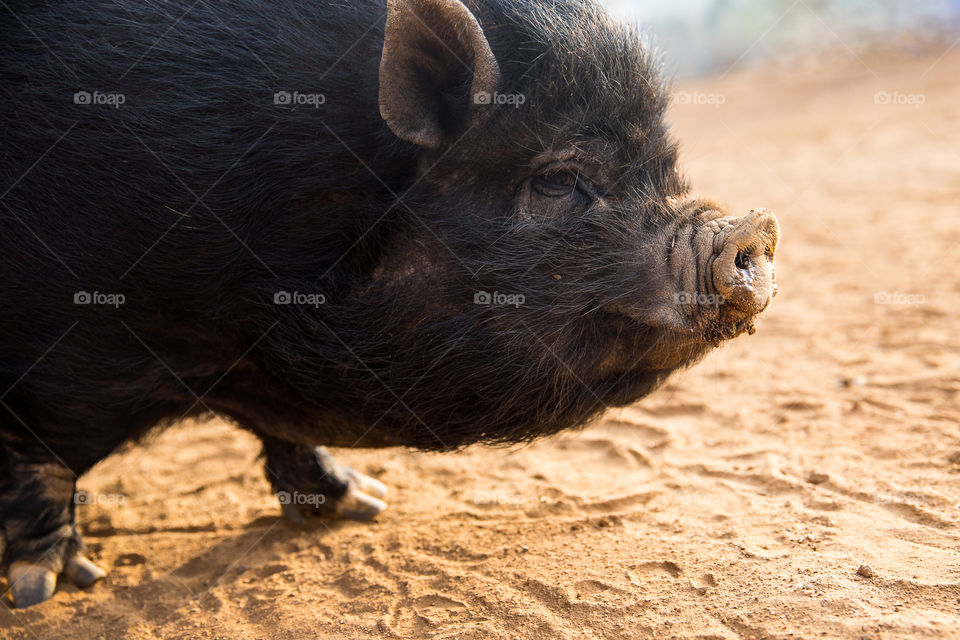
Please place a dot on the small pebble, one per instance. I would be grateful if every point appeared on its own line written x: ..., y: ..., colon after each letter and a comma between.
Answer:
x: 817, y: 478
x: 865, y: 571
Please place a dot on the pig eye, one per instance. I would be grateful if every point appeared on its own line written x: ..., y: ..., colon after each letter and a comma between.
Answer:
x: 558, y: 184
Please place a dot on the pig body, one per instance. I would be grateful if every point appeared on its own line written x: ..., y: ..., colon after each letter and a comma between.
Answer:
x: 425, y: 224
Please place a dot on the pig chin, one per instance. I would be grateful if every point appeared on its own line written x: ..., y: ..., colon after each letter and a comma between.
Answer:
x: 655, y: 350
x: 674, y: 351
x: 664, y: 340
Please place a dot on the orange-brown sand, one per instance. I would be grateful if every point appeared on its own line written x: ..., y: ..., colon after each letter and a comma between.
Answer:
x: 740, y: 501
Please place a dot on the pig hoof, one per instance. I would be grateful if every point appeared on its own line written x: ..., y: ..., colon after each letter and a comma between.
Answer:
x: 293, y: 514
x: 309, y: 482
x: 82, y: 571
x: 365, y: 483
x: 30, y: 583
x: 357, y: 505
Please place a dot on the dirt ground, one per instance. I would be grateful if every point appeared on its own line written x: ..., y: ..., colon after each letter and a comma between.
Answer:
x: 738, y: 502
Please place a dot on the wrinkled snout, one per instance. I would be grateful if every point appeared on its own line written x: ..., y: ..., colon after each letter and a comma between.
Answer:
x: 719, y: 277
x: 722, y: 271
x: 742, y: 271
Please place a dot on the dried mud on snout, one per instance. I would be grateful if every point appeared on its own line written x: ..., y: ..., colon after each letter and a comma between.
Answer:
x: 742, y: 500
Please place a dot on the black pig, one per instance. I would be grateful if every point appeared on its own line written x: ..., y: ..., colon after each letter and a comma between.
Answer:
x: 424, y: 224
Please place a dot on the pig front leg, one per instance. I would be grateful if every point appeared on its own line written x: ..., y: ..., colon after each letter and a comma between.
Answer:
x: 309, y: 482
x: 38, y: 533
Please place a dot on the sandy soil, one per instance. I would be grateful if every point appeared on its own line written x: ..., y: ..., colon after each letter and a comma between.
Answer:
x: 738, y: 502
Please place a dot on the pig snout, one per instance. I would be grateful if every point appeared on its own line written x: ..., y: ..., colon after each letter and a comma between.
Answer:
x: 742, y: 269
x: 720, y: 271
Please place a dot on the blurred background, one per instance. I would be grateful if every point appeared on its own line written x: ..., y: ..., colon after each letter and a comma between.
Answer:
x: 713, y: 36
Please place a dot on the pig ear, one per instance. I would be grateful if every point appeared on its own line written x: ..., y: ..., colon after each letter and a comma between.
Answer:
x: 435, y: 60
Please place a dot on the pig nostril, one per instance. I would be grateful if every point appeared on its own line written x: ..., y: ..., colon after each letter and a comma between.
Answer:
x: 742, y: 272
x: 742, y: 261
